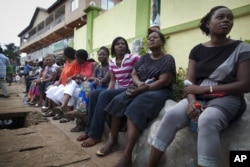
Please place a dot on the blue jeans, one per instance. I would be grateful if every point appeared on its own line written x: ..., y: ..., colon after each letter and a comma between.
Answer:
x: 99, y: 99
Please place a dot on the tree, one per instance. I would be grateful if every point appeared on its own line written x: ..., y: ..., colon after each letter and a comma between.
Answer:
x: 12, y: 51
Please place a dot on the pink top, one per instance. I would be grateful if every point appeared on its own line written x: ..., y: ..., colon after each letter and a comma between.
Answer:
x: 86, y: 69
x: 123, y: 73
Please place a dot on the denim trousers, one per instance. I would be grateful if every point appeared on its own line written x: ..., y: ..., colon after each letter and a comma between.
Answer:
x: 99, y: 99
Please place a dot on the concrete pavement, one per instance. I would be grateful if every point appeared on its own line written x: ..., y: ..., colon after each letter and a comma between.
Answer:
x: 44, y: 142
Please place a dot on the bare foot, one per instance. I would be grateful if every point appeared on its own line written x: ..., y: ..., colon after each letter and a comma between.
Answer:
x: 124, y: 162
x: 82, y: 137
x: 90, y: 142
x: 107, y: 149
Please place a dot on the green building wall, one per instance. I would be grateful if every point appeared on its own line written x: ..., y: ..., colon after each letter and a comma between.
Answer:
x: 179, y: 22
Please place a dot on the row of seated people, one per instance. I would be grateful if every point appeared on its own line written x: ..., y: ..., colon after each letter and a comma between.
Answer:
x: 218, y: 73
x: 48, y: 71
x: 126, y: 85
x: 79, y: 77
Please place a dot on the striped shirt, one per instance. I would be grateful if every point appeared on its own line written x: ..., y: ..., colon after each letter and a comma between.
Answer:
x: 4, y: 61
x: 123, y: 73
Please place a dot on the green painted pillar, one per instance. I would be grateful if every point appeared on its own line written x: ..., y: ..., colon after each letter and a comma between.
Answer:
x: 142, y: 17
x: 92, y: 13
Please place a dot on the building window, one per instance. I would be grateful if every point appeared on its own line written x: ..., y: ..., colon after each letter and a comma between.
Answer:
x: 74, y: 5
x: 107, y: 4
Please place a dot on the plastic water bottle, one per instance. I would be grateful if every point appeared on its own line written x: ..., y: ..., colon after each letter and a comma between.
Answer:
x: 194, y: 122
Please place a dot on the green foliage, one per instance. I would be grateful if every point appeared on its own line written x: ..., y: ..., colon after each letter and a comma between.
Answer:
x: 179, y: 84
x: 144, y: 48
x: 247, y: 41
x: 11, y: 51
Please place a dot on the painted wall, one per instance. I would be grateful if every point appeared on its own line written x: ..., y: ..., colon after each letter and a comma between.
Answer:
x: 174, y: 12
x: 241, y: 28
x: 179, y: 44
x: 118, y: 21
x: 80, y: 39
x: 179, y: 21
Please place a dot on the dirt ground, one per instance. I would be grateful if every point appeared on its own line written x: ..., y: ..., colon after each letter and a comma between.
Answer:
x: 43, y: 142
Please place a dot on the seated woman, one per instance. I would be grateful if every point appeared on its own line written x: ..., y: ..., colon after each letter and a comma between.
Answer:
x: 33, y: 91
x: 86, y: 71
x: 47, y: 79
x: 218, y: 74
x: 153, y: 77
x: 101, y: 76
x: 55, y: 93
x: 33, y: 77
x: 58, y: 64
x: 100, y: 80
x: 120, y: 68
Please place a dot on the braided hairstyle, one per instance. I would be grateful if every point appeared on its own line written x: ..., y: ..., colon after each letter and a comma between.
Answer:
x: 206, y: 18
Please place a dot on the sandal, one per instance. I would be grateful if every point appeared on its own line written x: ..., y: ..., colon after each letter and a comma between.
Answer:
x: 90, y: 142
x: 82, y: 137
x: 37, y: 105
x: 57, y: 117
x: 64, y: 120
x: 44, y: 108
x: 31, y: 103
x: 49, y: 113
x: 107, y: 150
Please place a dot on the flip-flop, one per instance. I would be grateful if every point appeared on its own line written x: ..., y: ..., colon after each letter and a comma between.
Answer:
x: 88, y: 143
x: 49, y: 113
x: 31, y: 103
x: 37, y: 105
x: 107, y: 150
x: 64, y: 120
x: 82, y: 137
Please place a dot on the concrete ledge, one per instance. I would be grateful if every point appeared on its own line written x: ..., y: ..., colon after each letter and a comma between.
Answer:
x: 182, y: 151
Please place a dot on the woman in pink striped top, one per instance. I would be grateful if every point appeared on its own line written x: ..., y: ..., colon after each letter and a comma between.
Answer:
x: 120, y: 68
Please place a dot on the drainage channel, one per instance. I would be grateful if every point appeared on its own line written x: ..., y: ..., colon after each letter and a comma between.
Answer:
x: 12, y: 120
x: 16, y: 120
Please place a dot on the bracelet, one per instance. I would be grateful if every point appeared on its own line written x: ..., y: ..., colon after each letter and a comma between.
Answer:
x: 211, y: 89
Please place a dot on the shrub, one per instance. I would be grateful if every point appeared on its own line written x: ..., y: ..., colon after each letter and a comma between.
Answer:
x: 179, y: 85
